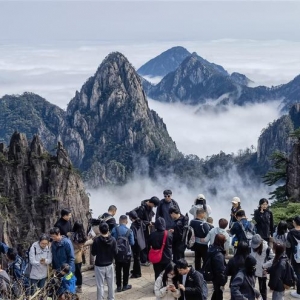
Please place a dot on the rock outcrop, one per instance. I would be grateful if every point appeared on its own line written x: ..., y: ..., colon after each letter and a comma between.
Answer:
x: 34, y: 187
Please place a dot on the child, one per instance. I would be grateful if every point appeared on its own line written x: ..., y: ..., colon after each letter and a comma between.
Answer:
x: 68, y: 281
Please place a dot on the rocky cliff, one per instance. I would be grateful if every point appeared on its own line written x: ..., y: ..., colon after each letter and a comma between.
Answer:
x: 120, y: 133
x: 34, y: 187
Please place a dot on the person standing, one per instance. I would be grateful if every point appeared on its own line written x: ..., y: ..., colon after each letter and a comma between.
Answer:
x: 191, y: 282
x: 264, y: 220
x: 156, y: 242
x: 105, y: 249
x: 292, y: 243
x: 64, y: 223
x: 236, y: 206
x: 201, y: 229
x: 108, y: 217
x: 123, y: 264
x: 178, y: 246
x: 139, y: 243
x: 145, y: 214
x: 200, y: 202
x: 62, y: 250
x: 163, y: 209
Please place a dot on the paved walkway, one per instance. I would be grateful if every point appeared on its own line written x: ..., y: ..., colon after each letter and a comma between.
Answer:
x: 142, y: 288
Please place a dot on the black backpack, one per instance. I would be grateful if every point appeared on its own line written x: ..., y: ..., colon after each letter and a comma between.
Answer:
x: 207, y: 271
x: 290, y: 277
x: 124, y: 249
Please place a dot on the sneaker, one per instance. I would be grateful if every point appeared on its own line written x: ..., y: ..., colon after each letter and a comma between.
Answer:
x: 295, y: 295
x: 127, y: 287
x: 119, y: 289
x: 135, y: 276
x: 146, y: 264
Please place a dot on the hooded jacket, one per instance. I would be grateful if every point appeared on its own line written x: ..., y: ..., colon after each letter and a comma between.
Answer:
x: 63, y: 252
x: 105, y: 250
x: 156, y: 240
x: 178, y: 230
x: 138, y: 233
x: 163, y: 212
x: 145, y: 213
x: 264, y: 223
x: 212, y: 234
x: 193, y: 285
x: 36, y: 253
x: 218, y: 264
x: 291, y: 244
x: 111, y: 221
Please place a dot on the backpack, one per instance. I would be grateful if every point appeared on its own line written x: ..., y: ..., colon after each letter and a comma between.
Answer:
x: 124, y: 249
x: 188, y: 237
x: 297, y: 252
x: 204, y: 289
x: 207, y: 271
x: 28, y: 266
x: 248, y: 233
x: 290, y: 277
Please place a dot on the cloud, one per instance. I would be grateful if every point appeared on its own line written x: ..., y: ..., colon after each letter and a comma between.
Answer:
x: 218, y: 192
x: 207, y: 132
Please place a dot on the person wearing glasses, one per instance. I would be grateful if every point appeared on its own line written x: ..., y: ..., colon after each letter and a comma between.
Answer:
x: 163, y: 209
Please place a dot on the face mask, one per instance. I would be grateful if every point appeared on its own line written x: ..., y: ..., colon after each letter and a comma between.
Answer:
x: 170, y: 276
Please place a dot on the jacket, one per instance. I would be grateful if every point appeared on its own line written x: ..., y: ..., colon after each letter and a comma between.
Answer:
x: 3, y: 248
x: 235, y: 264
x: 145, y: 213
x: 243, y: 287
x: 277, y: 272
x: 63, y: 252
x: 193, y: 285
x: 193, y: 210
x: 123, y: 230
x: 237, y: 229
x: 262, y: 259
x: 38, y: 270
x: 178, y: 230
x: 201, y: 229
x: 111, y: 222
x: 218, y: 264
x: 291, y: 244
x: 212, y: 234
x: 163, y: 212
x: 138, y: 234
x: 161, y: 291
x: 156, y: 239
x: 68, y: 284
x: 264, y: 223
x: 232, y: 215
x: 64, y: 226
x: 105, y: 250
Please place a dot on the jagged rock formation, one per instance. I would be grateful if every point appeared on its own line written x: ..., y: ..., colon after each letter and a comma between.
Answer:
x: 240, y: 78
x: 34, y: 187
x: 118, y: 129
x: 164, y: 63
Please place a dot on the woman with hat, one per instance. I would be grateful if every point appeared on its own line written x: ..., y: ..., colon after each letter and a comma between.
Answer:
x: 262, y: 253
x: 236, y: 206
x: 200, y: 202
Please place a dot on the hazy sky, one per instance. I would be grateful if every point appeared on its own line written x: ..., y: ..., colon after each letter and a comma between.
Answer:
x: 149, y: 20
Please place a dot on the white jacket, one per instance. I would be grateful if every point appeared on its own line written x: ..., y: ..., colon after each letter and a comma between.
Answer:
x: 261, y: 260
x: 193, y: 210
x: 212, y: 234
x: 38, y: 270
x: 161, y: 291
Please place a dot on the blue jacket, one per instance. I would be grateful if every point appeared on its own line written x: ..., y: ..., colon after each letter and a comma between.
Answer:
x: 123, y: 229
x: 3, y: 248
x: 63, y: 252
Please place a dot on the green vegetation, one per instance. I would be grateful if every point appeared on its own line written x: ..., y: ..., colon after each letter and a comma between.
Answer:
x: 284, y: 211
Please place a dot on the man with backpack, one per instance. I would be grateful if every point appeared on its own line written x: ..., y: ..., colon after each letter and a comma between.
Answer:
x: 125, y: 239
x: 178, y: 246
x: 201, y: 229
x: 64, y: 223
x: 293, y: 252
x: 191, y: 283
x: 242, y: 229
x: 108, y: 217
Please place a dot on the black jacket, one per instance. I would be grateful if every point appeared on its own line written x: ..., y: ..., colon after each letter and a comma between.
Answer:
x: 111, y: 222
x: 242, y: 287
x: 64, y: 226
x: 105, y: 250
x: 178, y: 230
x: 193, y: 285
x: 237, y: 229
x: 277, y: 272
x: 235, y: 264
x: 218, y: 264
x: 201, y: 228
x: 291, y: 244
x: 145, y: 213
x: 163, y: 212
x: 156, y: 240
x: 264, y: 223
x: 138, y: 233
